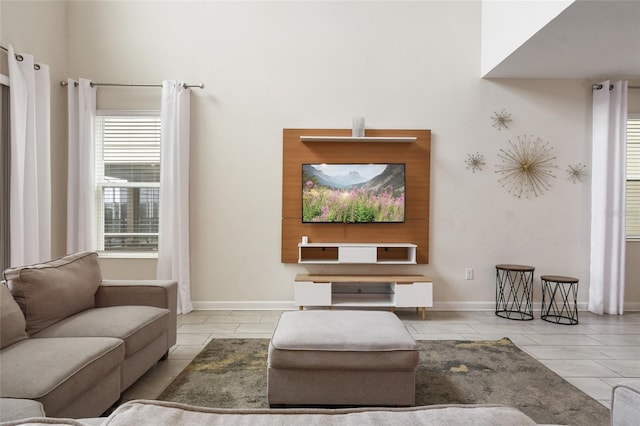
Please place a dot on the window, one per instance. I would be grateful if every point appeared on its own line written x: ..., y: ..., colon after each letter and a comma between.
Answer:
x: 128, y: 181
x: 633, y: 176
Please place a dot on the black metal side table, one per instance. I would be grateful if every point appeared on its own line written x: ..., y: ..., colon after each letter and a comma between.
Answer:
x: 559, y: 299
x: 514, y: 288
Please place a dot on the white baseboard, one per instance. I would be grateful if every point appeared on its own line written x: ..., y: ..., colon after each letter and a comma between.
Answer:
x: 244, y: 305
x: 632, y: 307
x: 290, y: 305
x: 286, y: 305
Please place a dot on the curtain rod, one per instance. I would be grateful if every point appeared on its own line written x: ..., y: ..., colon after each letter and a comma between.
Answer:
x: 20, y: 58
x: 600, y: 86
x: 65, y: 83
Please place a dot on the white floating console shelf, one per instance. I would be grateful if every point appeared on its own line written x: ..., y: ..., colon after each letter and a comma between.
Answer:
x: 352, y: 253
x: 404, y: 139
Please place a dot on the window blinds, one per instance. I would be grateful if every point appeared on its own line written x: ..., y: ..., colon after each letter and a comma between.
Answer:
x: 633, y: 177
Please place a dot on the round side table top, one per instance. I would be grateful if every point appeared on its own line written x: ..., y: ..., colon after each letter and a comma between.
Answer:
x: 559, y: 279
x: 520, y: 268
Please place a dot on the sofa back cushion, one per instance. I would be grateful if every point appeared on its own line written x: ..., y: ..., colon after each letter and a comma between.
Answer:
x: 12, y: 324
x: 51, y: 291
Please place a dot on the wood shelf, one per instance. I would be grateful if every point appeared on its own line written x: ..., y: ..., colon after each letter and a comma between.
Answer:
x: 401, y: 139
x: 352, y: 253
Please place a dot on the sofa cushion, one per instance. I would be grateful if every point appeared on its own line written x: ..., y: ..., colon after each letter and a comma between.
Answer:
x: 15, y: 409
x: 341, y: 331
x: 169, y: 414
x: 343, y: 340
x: 59, y: 369
x: 12, y: 324
x: 136, y: 325
x: 625, y: 403
x: 51, y: 291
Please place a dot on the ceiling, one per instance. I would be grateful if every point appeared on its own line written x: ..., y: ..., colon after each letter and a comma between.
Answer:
x: 589, y: 39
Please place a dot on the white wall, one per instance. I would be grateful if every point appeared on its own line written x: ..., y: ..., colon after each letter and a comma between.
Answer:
x: 268, y: 66
x: 506, y: 25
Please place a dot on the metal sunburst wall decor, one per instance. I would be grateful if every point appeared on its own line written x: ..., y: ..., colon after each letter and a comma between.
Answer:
x: 501, y: 119
x: 576, y: 172
x: 475, y: 162
x: 527, y: 167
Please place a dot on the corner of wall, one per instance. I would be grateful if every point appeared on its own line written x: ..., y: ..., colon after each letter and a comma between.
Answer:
x: 507, y: 25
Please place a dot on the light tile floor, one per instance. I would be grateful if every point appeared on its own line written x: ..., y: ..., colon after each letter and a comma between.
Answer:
x: 593, y: 355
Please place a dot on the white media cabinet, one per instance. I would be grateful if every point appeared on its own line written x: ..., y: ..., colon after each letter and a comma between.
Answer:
x: 369, y: 253
x: 391, y: 291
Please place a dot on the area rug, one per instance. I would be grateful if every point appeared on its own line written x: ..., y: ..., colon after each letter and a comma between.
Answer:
x: 231, y: 373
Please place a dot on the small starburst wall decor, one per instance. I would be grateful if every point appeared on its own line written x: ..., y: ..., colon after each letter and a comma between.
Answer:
x: 475, y: 162
x: 527, y: 167
x: 501, y: 119
x: 576, y: 172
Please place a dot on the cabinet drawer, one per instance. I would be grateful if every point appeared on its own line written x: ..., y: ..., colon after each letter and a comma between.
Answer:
x: 357, y: 255
x: 306, y: 293
x: 416, y: 294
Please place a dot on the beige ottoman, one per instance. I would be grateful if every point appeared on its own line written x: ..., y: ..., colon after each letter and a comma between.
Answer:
x: 354, y: 358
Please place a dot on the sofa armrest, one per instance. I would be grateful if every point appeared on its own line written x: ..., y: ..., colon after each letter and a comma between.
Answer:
x: 12, y: 409
x: 625, y: 403
x: 157, y: 293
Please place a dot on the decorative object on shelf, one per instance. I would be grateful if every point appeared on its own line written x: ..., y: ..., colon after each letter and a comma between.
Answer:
x: 527, y: 167
x: 576, y: 172
x: 357, y: 131
x: 501, y: 119
x: 475, y: 162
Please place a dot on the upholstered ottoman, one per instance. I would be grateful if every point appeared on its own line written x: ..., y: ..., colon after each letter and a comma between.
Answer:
x: 354, y: 358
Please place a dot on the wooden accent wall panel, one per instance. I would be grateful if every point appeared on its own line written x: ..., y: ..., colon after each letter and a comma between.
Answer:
x: 417, y: 158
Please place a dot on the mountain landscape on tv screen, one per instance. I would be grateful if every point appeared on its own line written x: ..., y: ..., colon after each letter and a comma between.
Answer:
x: 353, y: 193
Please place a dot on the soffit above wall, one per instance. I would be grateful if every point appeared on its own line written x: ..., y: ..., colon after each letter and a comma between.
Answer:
x: 589, y: 39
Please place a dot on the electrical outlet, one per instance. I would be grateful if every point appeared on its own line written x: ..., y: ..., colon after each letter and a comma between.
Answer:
x: 468, y: 273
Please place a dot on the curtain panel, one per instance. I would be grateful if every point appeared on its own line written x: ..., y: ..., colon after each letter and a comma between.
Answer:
x: 4, y: 174
x: 81, y: 101
x: 30, y: 146
x: 173, y: 228
x: 609, y: 141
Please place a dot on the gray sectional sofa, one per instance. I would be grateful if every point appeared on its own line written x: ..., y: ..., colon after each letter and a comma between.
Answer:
x: 625, y: 411
x: 71, y: 342
x: 172, y: 414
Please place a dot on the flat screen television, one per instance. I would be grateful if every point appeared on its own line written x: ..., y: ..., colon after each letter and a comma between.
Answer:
x: 353, y: 193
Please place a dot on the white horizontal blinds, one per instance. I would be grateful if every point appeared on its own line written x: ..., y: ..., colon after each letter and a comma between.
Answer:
x: 128, y: 176
x: 132, y: 148
x: 633, y: 177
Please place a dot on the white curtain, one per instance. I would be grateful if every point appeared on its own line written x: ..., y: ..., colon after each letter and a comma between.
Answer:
x: 30, y: 178
x: 606, y: 291
x: 81, y: 100
x: 4, y: 172
x: 173, y: 240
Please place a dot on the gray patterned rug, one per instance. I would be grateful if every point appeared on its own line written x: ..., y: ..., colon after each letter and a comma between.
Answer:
x: 231, y: 373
